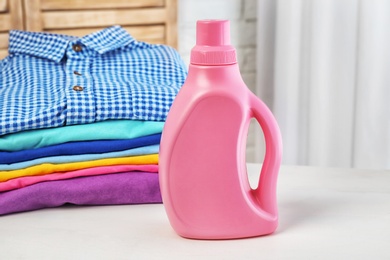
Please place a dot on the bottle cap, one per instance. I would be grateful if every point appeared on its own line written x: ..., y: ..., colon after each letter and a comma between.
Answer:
x: 213, y: 44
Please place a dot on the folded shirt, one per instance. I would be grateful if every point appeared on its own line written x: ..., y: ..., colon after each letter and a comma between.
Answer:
x: 151, y: 149
x: 51, y: 80
x: 108, y: 189
x: 30, y: 180
x: 106, y: 130
x: 74, y: 148
x: 48, y: 168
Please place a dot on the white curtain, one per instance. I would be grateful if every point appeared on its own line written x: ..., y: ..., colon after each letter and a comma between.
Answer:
x: 324, y: 69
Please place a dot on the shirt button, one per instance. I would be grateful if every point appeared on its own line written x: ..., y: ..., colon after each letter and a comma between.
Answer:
x: 78, y: 88
x: 77, y: 73
x: 77, y: 47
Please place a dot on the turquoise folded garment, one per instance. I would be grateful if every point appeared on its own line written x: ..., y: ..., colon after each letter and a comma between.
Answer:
x: 106, y: 130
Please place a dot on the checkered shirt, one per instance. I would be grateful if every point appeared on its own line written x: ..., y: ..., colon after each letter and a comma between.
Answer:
x: 52, y: 80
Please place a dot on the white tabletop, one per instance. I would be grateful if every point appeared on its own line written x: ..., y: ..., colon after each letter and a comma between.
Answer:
x: 324, y: 214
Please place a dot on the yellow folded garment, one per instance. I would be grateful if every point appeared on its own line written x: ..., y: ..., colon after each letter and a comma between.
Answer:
x: 48, y: 168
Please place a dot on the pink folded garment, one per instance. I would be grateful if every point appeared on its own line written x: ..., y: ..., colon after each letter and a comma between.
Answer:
x: 108, y: 189
x: 30, y: 180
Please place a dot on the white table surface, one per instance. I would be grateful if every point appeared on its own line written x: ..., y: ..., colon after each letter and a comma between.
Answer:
x: 324, y: 214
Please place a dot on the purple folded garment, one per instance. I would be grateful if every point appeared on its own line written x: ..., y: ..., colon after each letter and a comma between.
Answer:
x: 109, y: 189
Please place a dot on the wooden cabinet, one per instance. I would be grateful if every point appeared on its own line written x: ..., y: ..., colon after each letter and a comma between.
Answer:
x: 152, y: 21
x: 11, y: 17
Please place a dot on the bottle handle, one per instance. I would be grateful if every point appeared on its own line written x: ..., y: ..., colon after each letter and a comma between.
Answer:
x: 265, y: 192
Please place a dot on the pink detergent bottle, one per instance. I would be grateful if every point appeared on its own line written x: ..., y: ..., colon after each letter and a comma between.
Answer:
x: 202, y: 168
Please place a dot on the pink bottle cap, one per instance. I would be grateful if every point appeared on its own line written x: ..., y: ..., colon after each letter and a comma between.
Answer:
x: 213, y: 44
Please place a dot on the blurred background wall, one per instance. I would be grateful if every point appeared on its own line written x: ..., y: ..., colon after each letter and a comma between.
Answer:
x: 323, y: 68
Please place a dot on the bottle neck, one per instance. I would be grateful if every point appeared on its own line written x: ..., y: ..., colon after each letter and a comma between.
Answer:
x: 216, y: 73
x: 229, y: 69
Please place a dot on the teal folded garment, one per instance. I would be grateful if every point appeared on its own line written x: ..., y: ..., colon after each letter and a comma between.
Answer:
x: 151, y: 149
x: 106, y: 130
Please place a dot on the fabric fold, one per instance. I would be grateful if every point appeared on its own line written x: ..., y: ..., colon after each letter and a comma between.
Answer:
x: 48, y: 168
x: 80, y: 147
x: 152, y: 149
x: 30, y: 180
x: 106, y: 130
x: 109, y: 189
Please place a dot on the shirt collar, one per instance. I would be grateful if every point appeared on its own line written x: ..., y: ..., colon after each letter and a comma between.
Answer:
x: 53, y: 46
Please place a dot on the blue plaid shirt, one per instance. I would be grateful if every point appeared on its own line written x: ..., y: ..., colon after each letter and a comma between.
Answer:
x: 51, y: 80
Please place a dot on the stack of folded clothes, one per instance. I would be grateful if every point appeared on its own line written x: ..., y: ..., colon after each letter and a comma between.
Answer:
x: 81, y: 118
